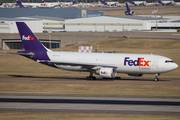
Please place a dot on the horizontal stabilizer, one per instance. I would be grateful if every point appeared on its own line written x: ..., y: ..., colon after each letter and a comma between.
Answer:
x: 24, y: 54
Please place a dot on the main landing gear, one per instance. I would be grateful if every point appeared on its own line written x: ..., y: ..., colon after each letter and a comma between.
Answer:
x: 156, y: 79
x: 91, y: 77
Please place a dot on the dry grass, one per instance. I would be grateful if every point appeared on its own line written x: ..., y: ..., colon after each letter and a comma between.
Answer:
x: 88, y: 88
x: 81, y: 116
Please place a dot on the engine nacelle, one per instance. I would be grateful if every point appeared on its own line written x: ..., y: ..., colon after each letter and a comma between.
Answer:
x: 137, y: 75
x: 131, y: 12
x: 107, y: 72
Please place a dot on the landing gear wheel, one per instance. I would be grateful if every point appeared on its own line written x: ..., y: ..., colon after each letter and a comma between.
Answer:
x: 156, y: 79
x: 90, y: 78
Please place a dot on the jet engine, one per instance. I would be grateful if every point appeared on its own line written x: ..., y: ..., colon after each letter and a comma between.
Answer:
x: 107, y: 72
x: 138, y: 75
x: 131, y: 12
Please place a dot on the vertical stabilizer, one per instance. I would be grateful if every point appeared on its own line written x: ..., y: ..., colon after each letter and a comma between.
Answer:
x: 103, y: 2
x: 73, y: 2
x: 29, y: 40
x: 127, y: 7
x: 160, y: 2
x: 18, y: 2
x: 132, y: 2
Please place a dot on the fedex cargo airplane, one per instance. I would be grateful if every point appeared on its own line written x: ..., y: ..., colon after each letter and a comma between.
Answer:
x: 64, y: 4
x: 138, y: 3
x: 111, y: 3
x: 37, y: 5
x: 107, y: 65
x: 166, y: 2
x: 128, y: 12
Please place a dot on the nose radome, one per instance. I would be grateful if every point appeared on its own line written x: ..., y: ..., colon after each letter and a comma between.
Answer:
x: 176, y: 65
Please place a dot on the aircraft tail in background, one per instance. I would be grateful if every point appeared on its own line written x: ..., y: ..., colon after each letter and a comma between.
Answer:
x: 73, y: 2
x: 160, y: 2
x: 132, y: 2
x: 103, y: 2
x: 18, y: 2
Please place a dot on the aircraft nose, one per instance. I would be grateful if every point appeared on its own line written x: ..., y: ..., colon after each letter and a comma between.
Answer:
x: 174, y: 66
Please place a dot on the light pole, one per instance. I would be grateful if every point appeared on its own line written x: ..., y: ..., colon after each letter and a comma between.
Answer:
x: 161, y: 10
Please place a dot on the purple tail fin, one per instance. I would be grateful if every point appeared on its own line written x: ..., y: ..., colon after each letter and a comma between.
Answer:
x: 128, y: 9
x: 29, y: 40
x: 103, y: 2
x: 160, y: 2
x: 43, y: 1
x: 132, y: 2
x: 73, y: 2
x: 18, y: 2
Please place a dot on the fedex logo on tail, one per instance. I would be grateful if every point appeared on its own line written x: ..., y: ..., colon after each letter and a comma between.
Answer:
x: 27, y: 38
x: 139, y: 62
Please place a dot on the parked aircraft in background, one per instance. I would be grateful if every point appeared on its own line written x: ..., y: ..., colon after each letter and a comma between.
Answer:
x: 166, y: 2
x: 48, y: 4
x: 37, y: 5
x: 138, y: 3
x: 65, y: 4
x: 128, y: 12
x: 107, y: 65
x: 111, y: 3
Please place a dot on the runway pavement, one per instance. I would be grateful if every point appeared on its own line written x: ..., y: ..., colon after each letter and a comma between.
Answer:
x: 90, y: 104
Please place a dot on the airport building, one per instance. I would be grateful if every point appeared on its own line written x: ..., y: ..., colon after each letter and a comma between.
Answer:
x: 122, y: 23
x: 67, y: 13
x: 53, y: 21
x: 8, y: 25
x: 13, y: 41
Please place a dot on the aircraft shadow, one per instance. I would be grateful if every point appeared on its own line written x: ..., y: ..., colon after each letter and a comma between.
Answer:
x: 84, y: 79
x: 82, y: 101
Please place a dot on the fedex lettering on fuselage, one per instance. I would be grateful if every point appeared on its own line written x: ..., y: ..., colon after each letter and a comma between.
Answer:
x: 27, y: 38
x: 139, y: 62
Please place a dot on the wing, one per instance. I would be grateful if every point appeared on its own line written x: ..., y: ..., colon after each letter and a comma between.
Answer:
x: 87, y: 65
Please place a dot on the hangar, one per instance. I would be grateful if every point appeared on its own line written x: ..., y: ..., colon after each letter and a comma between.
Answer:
x: 122, y: 23
x: 13, y: 41
x: 68, y: 13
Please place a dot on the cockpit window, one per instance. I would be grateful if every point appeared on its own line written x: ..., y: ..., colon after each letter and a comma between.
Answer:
x: 168, y: 61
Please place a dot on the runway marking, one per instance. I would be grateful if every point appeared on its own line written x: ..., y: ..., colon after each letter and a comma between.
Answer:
x: 175, y: 34
x: 74, y: 103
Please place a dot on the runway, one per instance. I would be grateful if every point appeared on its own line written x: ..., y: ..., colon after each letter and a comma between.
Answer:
x: 89, y: 104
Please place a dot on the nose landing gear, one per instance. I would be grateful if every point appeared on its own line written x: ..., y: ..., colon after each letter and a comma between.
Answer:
x: 156, y: 79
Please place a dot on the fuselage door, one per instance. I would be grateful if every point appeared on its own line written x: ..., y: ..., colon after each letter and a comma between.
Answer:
x: 155, y: 62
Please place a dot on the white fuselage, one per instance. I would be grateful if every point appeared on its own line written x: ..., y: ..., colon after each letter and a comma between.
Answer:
x: 138, y: 3
x: 35, y: 5
x: 124, y: 63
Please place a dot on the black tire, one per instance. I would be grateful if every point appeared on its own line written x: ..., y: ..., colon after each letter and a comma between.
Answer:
x: 156, y: 79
